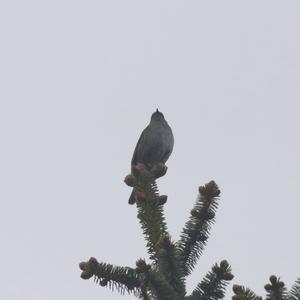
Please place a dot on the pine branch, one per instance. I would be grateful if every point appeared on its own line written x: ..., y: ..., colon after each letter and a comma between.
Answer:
x: 196, y: 231
x: 144, y: 295
x: 169, y: 264
x: 213, y: 285
x: 149, y: 204
x: 276, y: 290
x: 242, y: 293
x: 162, y: 290
x: 294, y: 293
x: 158, y: 287
x: 121, y: 278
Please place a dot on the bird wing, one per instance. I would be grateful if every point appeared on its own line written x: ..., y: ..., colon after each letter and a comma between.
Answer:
x: 137, y: 150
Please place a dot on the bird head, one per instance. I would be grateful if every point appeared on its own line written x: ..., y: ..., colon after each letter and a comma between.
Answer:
x: 157, y: 116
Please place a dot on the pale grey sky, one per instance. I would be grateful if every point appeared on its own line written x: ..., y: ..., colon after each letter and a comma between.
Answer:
x: 79, y: 81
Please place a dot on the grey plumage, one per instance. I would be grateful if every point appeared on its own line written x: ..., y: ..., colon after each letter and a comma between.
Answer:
x: 155, y: 144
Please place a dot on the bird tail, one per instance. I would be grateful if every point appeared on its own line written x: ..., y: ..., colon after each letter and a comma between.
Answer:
x: 132, y: 197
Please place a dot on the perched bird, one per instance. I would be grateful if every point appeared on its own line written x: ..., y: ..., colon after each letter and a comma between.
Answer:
x: 154, y: 146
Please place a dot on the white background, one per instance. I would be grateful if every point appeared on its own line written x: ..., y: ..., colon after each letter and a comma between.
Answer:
x: 79, y: 82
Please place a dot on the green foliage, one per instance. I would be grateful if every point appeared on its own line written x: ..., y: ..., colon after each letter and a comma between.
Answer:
x: 213, y: 285
x: 294, y: 293
x: 164, y: 277
x: 196, y: 231
x: 170, y: 265
x: 276, y: 290
x: 242, y: 293
x: 150, y: 212
x: 159, y: 287
x: 121, y: 278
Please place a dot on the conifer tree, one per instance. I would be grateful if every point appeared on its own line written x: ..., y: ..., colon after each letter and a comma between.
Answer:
x: 170, y: 262
x: 163, y: 277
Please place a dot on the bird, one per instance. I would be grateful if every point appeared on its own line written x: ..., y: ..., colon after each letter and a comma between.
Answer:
x: 155, y: 145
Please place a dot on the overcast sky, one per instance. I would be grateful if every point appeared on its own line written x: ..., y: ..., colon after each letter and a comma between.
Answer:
x: 79, y: 82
